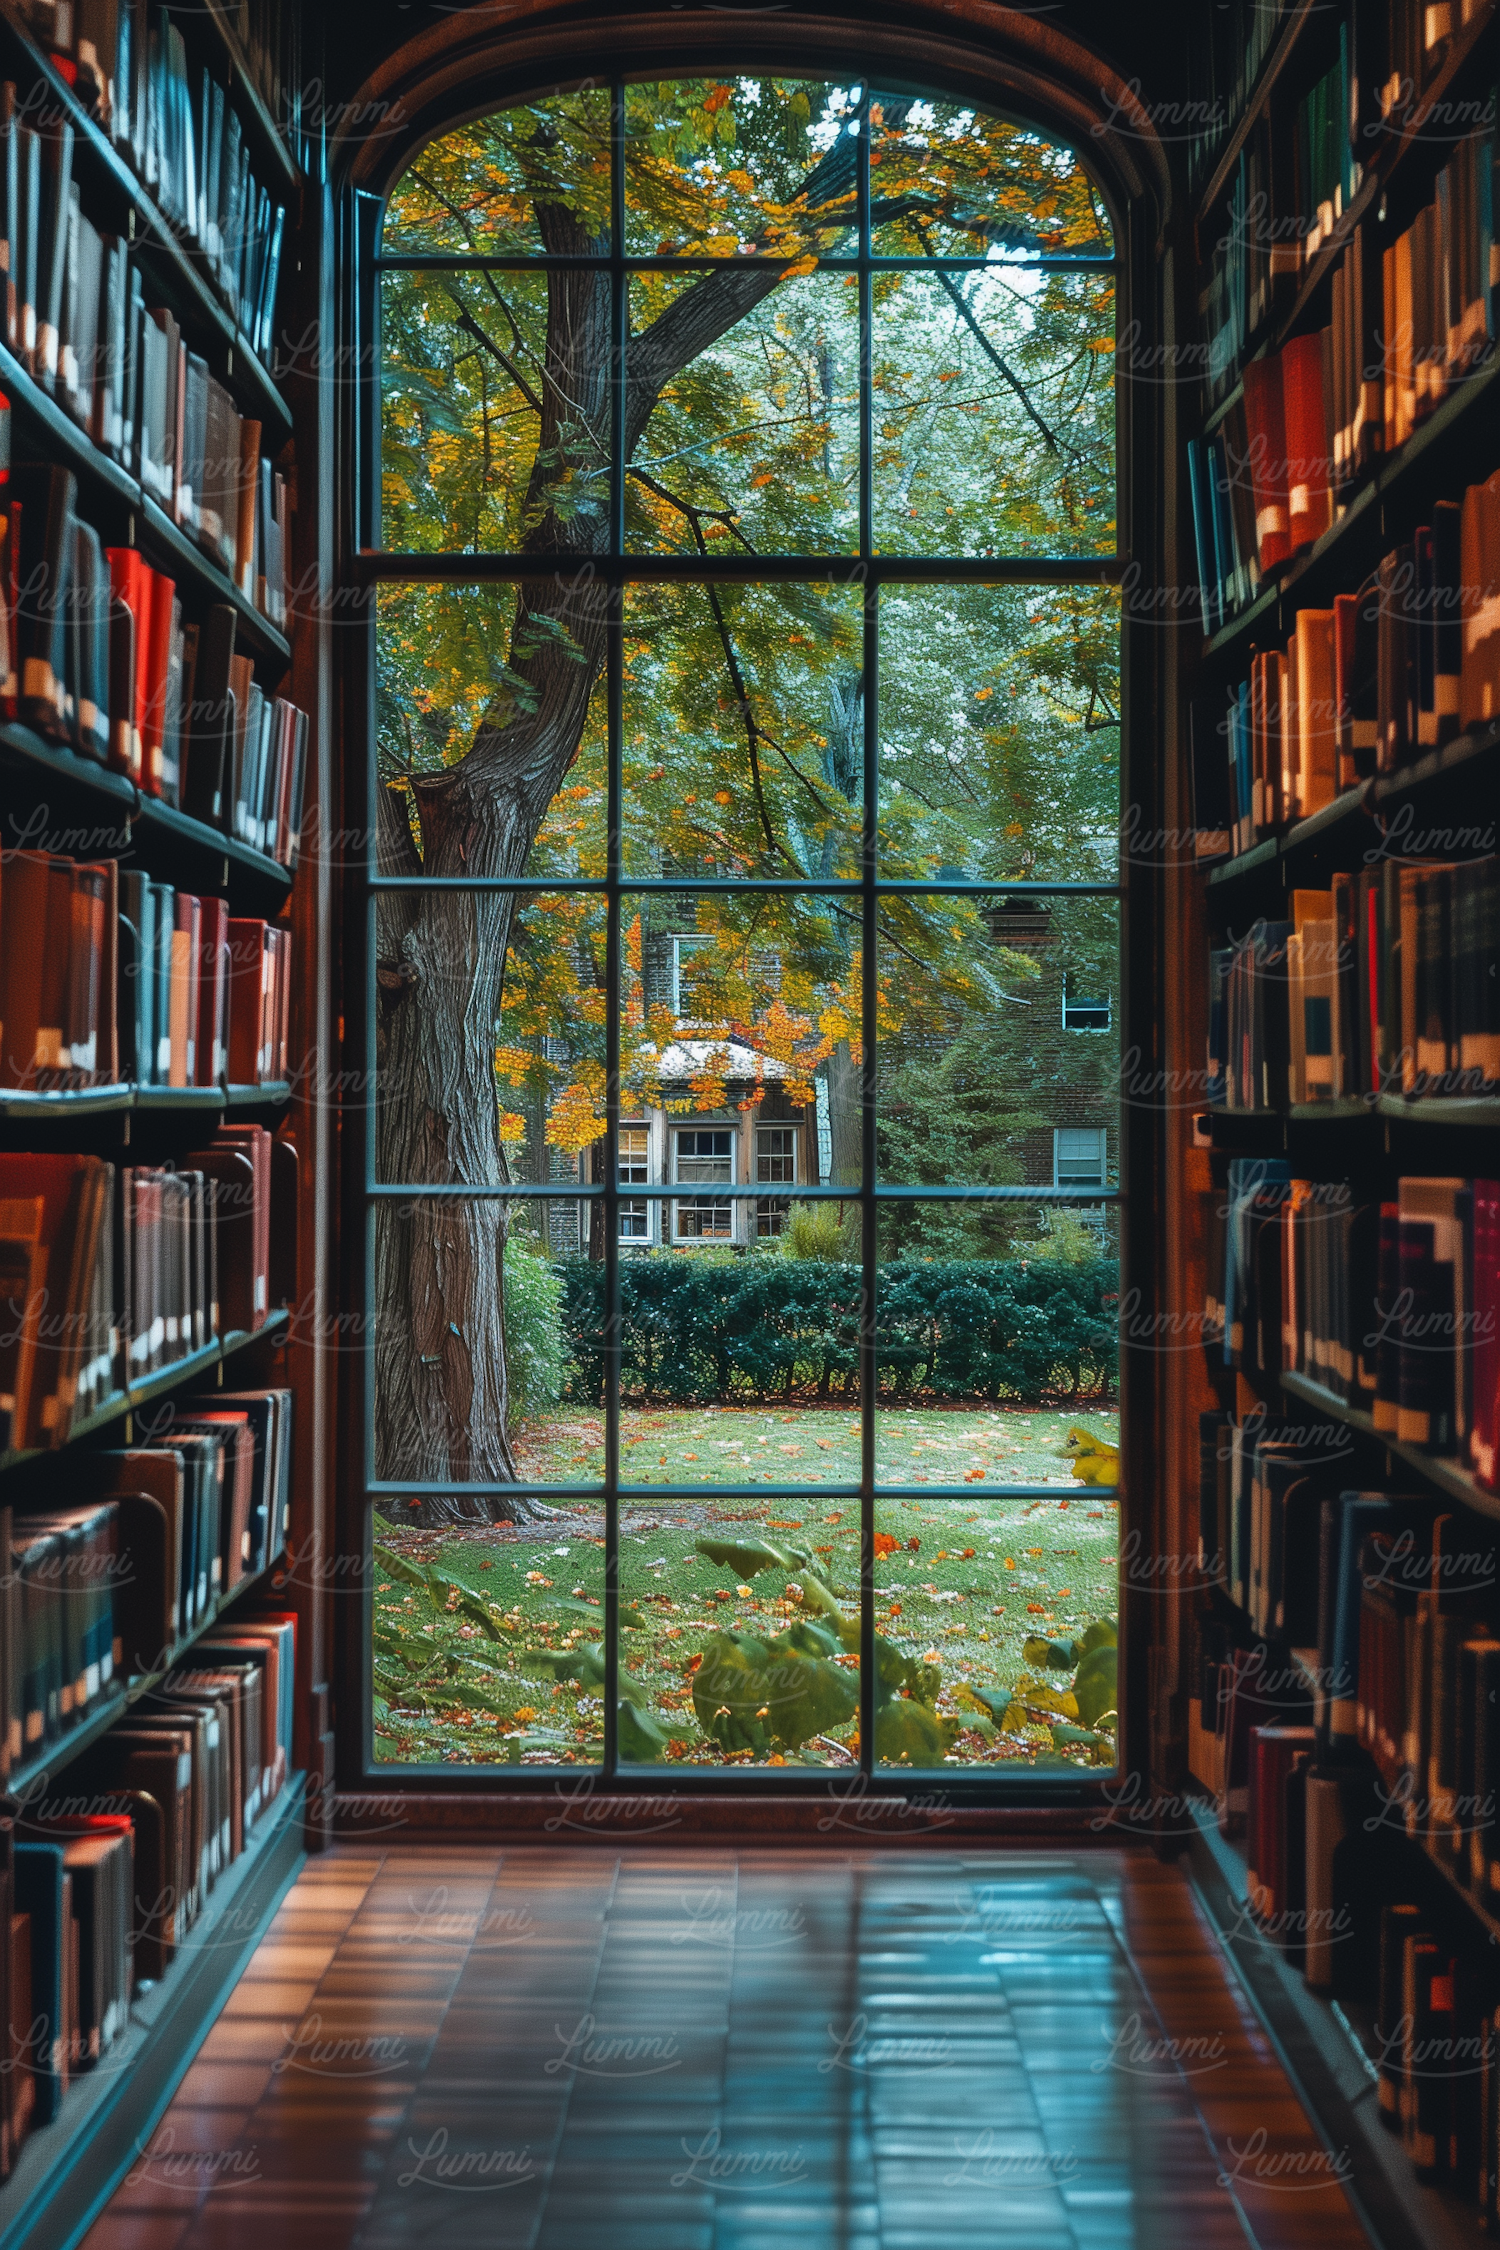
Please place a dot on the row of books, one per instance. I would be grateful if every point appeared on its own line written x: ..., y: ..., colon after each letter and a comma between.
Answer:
x: 174, y: 125
x: 1386, y: 983
x: 107, y: 1587
x: 74, y: 311
x: 1392, y: 1304
x: 1298, y: 174
x: 110, y: 1276
x: 107, y: 978
x: 1231, y: 44
x: 1316, y: 415
x: 1408, y: 663
x: 111, y: 1868
x: 95, y: 652
x: 1331, y: 1885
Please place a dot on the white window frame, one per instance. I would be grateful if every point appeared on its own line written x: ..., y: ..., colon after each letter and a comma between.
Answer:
x: 684, y: 945
x: 1072, y: 1000
x: 1100, y: 1136
x: 635, y: 1206
x: 703, y: 1196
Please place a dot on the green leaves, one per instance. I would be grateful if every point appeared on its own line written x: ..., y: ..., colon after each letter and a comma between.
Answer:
x: 749, y: 1693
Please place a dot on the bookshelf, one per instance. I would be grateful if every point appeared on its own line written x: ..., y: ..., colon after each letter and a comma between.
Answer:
x: 187, y: 1432
x: 1342, y: 1388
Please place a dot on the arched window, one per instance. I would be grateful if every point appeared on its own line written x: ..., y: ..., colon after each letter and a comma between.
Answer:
x: 748, y: 768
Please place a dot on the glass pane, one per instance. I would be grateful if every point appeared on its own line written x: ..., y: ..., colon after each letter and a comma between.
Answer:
x: 496, y: 412
x: 995, y: 1371
x: 946, y: 179
x: 740, y: 1640
x: 526, y: 1103
x: 998, y: 1619
x: 502, y: 1662
x: 999, y: 1052
x: 531, y: 178
x: 472, y: 670
x: 1000, y: 732
x: 994, y: 413
x: 743, y: 731
x: 723, y: 167
x: 754, y: 445
x: 474, y: 1385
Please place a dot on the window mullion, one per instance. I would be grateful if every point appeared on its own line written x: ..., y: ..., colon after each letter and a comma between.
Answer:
x: 869, y: 905
x: 619, y: 333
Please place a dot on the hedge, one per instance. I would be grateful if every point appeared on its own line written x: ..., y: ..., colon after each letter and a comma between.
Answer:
x: 696, y: 1330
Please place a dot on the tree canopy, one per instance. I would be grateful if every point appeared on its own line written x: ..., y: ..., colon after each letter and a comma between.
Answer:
x: 743, y: 723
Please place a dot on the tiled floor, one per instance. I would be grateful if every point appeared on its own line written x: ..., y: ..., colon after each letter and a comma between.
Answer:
x: 733, y: 2050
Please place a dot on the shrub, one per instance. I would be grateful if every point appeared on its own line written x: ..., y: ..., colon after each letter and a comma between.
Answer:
x: 536, y: 1359
x: 823, y: 1233
x: 764, y: 1328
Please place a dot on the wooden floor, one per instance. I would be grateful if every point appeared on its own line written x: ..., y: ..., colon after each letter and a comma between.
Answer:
x: 733, y: 2050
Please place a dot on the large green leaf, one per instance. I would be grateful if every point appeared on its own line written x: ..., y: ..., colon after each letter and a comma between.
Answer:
x: 1101, y: 1634
x: 642, y: 1737
x: 1094, y: 1685
x: 910, y: 1734
x: 1057, y: 1656
x: 749, y: 1692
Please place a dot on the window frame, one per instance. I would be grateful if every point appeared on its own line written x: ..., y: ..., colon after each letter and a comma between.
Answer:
x: 374, y: 567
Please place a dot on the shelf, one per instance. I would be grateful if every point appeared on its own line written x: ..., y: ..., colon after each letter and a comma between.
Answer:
x: 1275, y: 62
x: 1330, y: 2070
x: 1452, y: 1112
x: 163, y: 542
x: 248, y: 98
x: 87, y: 1101
x: 1438, y: 765
x: 273, y: 1095
x: 95, y: 154
x: 175, y: 835
x: 1402, y: 479
x: 152, y: 1387
x: 1446, y: 1475
x: 181, y: 554
x: 1357, y: 805
x: 67, y: 2171
x: 123, y: 823
x: 192, y: 1098
x: 54, y: 1757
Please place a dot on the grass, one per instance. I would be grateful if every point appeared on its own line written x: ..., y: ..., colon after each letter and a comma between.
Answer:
x: 804, y: 1445
x: 968, y: 1579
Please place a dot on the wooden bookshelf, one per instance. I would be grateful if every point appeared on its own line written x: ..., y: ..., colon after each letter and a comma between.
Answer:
x: 1282, y: 49
x: 56, y: 800
x: 1372, y: 1139
x: 67, y: 2171
x: 177, y: 268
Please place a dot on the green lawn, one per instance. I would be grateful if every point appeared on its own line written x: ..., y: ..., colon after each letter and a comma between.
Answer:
x: 805, y: 1445
x: 963, y: 1583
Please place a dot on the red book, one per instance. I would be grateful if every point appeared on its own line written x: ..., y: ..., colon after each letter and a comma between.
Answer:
x: 158, y: 652
x: 1266, y: 422
x: 129, y: 631
x: 1310, y: 506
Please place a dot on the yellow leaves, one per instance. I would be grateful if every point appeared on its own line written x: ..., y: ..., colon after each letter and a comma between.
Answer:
x: 809, y: 264
x: 512, y: 1126
x: 577, y: 1118
x: 516, y: 1064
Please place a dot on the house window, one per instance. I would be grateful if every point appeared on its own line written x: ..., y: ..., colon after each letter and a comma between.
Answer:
x: 1078, y: 1156
x: 775, y: 1159
x: 1085, y: 1015
x: 705, y: 1154
x: 634, y: 1161
x: 683, y: 951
